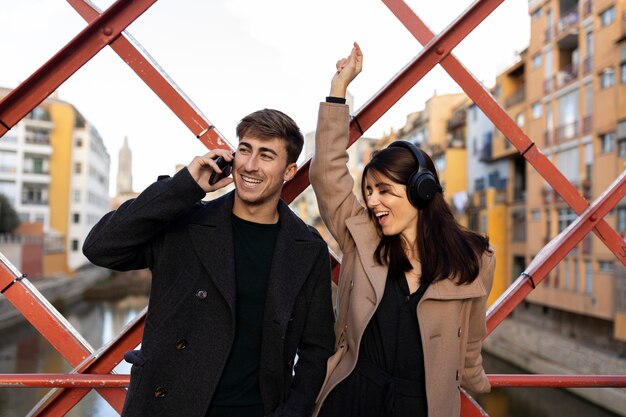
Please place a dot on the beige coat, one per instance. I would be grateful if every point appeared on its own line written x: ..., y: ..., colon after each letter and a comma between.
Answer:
x: 451, y: 317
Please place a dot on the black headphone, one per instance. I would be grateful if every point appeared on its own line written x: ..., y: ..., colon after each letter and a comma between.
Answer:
x: 422, y: 185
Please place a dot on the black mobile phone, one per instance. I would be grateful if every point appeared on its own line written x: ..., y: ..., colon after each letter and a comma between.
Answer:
x: 226, y: 168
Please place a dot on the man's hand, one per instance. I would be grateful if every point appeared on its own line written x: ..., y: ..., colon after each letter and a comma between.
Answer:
x: 347, y: 70
x: 201, y: 168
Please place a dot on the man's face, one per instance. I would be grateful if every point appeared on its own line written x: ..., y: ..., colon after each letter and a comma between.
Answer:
x: 260, y: 168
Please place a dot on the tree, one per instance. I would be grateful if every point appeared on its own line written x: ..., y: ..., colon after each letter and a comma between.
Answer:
x: 9, y: 220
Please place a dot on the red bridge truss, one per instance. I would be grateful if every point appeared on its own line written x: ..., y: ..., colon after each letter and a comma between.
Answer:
x: 93, y: 369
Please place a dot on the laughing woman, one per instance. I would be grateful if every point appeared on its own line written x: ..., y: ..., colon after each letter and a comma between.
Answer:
x: 414, y: 283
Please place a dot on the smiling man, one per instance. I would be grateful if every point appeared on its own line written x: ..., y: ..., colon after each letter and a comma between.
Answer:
x: 240, y: 284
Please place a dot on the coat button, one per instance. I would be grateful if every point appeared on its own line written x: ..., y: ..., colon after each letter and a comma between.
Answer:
x: 201, y: 294
x: 351, y: 284
x: 160, y: 392
x: 181, y: 344
x: 459, y: 333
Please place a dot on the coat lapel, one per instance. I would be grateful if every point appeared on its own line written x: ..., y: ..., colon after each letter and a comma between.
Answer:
x: 366, y: 239
x: 211, y: 235
x: 294, y: 256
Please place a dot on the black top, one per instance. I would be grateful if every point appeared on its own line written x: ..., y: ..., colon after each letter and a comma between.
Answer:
x: 389, y: 376
x: 238, y: 392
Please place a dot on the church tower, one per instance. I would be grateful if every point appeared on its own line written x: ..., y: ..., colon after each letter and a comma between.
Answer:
x: 125, y: 170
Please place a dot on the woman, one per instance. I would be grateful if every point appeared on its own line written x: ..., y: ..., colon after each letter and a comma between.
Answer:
x: 413, y: 286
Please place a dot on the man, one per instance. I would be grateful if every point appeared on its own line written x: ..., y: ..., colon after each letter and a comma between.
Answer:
x: 239, y: 285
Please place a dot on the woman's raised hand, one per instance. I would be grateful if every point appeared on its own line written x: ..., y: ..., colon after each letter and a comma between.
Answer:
x: 347, y: 70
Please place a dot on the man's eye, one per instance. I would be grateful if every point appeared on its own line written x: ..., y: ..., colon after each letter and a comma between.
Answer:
x: 266, y: 156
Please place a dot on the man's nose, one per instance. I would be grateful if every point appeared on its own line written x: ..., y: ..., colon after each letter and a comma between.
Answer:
x: 251, y: 163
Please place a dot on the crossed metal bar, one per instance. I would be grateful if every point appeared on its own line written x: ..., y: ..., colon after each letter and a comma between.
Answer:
x: 106, y: 29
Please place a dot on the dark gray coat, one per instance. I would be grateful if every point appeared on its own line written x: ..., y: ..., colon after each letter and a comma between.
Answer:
x: 189, y: 329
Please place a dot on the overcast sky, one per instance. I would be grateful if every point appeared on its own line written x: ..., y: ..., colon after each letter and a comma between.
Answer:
x: 233, y: 57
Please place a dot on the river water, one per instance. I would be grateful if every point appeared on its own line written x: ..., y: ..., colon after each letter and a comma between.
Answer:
x: 23, y: 350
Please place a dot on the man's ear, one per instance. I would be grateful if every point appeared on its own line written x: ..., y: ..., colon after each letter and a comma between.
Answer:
x: 290, y: 171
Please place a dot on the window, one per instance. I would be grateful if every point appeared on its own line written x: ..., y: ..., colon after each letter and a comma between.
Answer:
x: 568, y: 162
x: 76, y: 218
x: 536, y: 110
x: 536, y: 60
x: 622, y: 69
x: 608, y: 16
x: 606, y: 267
x: 79, y: 142
x: 566, y: 217
x: 8, y: 161
x: 536, y: 215
x: 519, y: 120
x: 588, y: 277
x: 607, y: 141
x: 607, y: 78
x: 621, y: 148
x: 35, y: 194
x: 76, y: 196
x: 39, y: 113
x: 40, y: 218
x: 576, y: 274
x: 74, y: 245
x: 519, y: 226
x: 78, y: 168
x: 621, y: 219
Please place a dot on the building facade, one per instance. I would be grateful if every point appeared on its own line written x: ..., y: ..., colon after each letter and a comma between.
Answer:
x: 54, y: 168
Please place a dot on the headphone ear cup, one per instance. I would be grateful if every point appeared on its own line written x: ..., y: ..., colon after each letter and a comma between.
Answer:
x: 423, y: 188
x: 412, y: 190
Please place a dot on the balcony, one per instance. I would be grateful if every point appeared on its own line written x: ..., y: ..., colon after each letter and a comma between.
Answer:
x: 515, y: 98
x: 457, y: 120
x: 566, y: 75
x: 37, y: 138
x: 572, y: 130
x: 568, y: 20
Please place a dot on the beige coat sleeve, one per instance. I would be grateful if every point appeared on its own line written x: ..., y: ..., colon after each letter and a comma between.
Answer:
x: 474, y: 378
x: 329, y: 175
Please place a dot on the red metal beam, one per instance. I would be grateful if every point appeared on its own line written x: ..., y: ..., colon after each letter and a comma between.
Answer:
x: 557, y: 381
x: 496, y: 380
x: 60, y: 401
x: 68, y: 60
x: 401, y: 83
x: 63, y: 380
x: 485, y: 101
x: 163, y: 86
x: 49, y: 323
x: 469, y: 406
x: 554, y: 252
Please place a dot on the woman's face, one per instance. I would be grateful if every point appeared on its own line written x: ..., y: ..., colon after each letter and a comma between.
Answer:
x: 388, y: 201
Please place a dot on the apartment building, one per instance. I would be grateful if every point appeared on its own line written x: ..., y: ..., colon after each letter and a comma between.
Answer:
x: 54, y: 168
x: 575, y: 105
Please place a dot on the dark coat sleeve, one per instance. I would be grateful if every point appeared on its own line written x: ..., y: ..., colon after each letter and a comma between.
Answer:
x: 122, y: 239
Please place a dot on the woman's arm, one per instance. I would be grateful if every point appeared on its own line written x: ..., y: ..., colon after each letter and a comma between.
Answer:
x: 329, y: 175
x: 474, y: 378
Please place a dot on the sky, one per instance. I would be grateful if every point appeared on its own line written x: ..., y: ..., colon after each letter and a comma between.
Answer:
x: 233, y: 57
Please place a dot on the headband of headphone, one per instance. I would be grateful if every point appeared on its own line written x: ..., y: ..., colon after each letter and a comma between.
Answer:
x: 422, y: 185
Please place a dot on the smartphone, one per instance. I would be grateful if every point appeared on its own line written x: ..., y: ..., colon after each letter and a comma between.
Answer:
x: 226, y: 168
